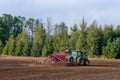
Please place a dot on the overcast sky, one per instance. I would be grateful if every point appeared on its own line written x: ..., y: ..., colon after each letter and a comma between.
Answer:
x: 69, y: 11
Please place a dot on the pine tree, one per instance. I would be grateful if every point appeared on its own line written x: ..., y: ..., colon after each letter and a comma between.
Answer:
x: 61, y: 37
x: 44, y: 51
x: 38, y: 40
x: 73, y: 37
x: 108, y: 34
x: 23, y: 44
x: 81, y: 42
x: 11, y: 47
x: 5, y: 49
x: 94, y: 40
x: 18, y: 49
x: 26, y: 44
x: 48, y: 46
x: 112, y: 50
x: 117, y: 32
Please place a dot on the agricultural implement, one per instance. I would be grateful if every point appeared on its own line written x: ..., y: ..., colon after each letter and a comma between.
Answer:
x: 76, y: 58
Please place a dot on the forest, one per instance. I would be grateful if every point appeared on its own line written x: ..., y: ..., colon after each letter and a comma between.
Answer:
x: 20, y: 36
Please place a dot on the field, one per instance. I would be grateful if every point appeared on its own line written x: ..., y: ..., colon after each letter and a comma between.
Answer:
x: 21, y: 68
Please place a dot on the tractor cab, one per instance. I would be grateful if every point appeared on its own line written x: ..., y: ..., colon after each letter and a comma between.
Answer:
x: 76, y: 54
x: 79, y: 58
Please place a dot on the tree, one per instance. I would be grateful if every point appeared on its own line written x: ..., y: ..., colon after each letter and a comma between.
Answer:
x: 117, y: 31
x: 19, y: 24
x: 6, y: 23
x: 26, y: 45
x: 48, y: 46
x: 30, y: 26
x: 100, y: 41
x: 38, y: 40
x: 23, y: 44
x: 2, y: 31
x: 18, y: 48
x: 112, y: 50
x: 81, y: 42
x: 11, y: 45
x: 1, y: 47
x: 108, y: 34
x: 61, y: 37
x: 73, y: 37
x: 5, y: 49
x: 44, y: 51
x: 94, y: 40
x: 49, y: 26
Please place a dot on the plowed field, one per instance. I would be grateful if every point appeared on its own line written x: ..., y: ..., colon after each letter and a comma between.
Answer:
x: 21, y: 68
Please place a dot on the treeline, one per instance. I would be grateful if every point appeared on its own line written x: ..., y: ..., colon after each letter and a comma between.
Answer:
x: 32, y: 37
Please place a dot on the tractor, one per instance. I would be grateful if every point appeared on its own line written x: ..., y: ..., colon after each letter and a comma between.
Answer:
x: 79, y: 58
x: 61, y: 59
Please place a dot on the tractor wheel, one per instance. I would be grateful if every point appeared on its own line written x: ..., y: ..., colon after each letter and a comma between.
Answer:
x: 80, y: 61
x: 71, y: 59
x: 86, y: 62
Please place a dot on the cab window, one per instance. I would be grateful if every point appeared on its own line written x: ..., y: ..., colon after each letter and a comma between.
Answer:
x: 74, y: 53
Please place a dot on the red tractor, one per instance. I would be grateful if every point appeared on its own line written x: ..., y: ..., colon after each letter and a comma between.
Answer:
x: 61, y: 59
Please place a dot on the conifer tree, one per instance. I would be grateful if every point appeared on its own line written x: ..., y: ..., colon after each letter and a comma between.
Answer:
x: 61, y: 37
x: 11, y: 47
x: 1, y: 47
x: 38, y: 40
x: 94, y: 40
x: 73, y: 37
x: 81, y: 41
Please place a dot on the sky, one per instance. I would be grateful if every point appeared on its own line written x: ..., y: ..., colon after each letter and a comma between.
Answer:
x: 69, y: 11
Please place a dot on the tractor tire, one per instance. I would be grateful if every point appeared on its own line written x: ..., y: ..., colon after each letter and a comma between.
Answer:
x: 80, y: 61
x: 71, y: 59
x: 86, y: 62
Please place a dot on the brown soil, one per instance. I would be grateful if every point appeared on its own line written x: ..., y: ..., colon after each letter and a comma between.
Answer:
x: 21, y: 68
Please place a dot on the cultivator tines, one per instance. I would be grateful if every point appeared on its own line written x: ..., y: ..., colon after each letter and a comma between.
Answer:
x: 50, y: 63
x: 60, y: 64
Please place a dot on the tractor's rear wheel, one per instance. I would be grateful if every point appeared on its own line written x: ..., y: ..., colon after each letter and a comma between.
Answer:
x: 80, y: 61
x: 86, y: 63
